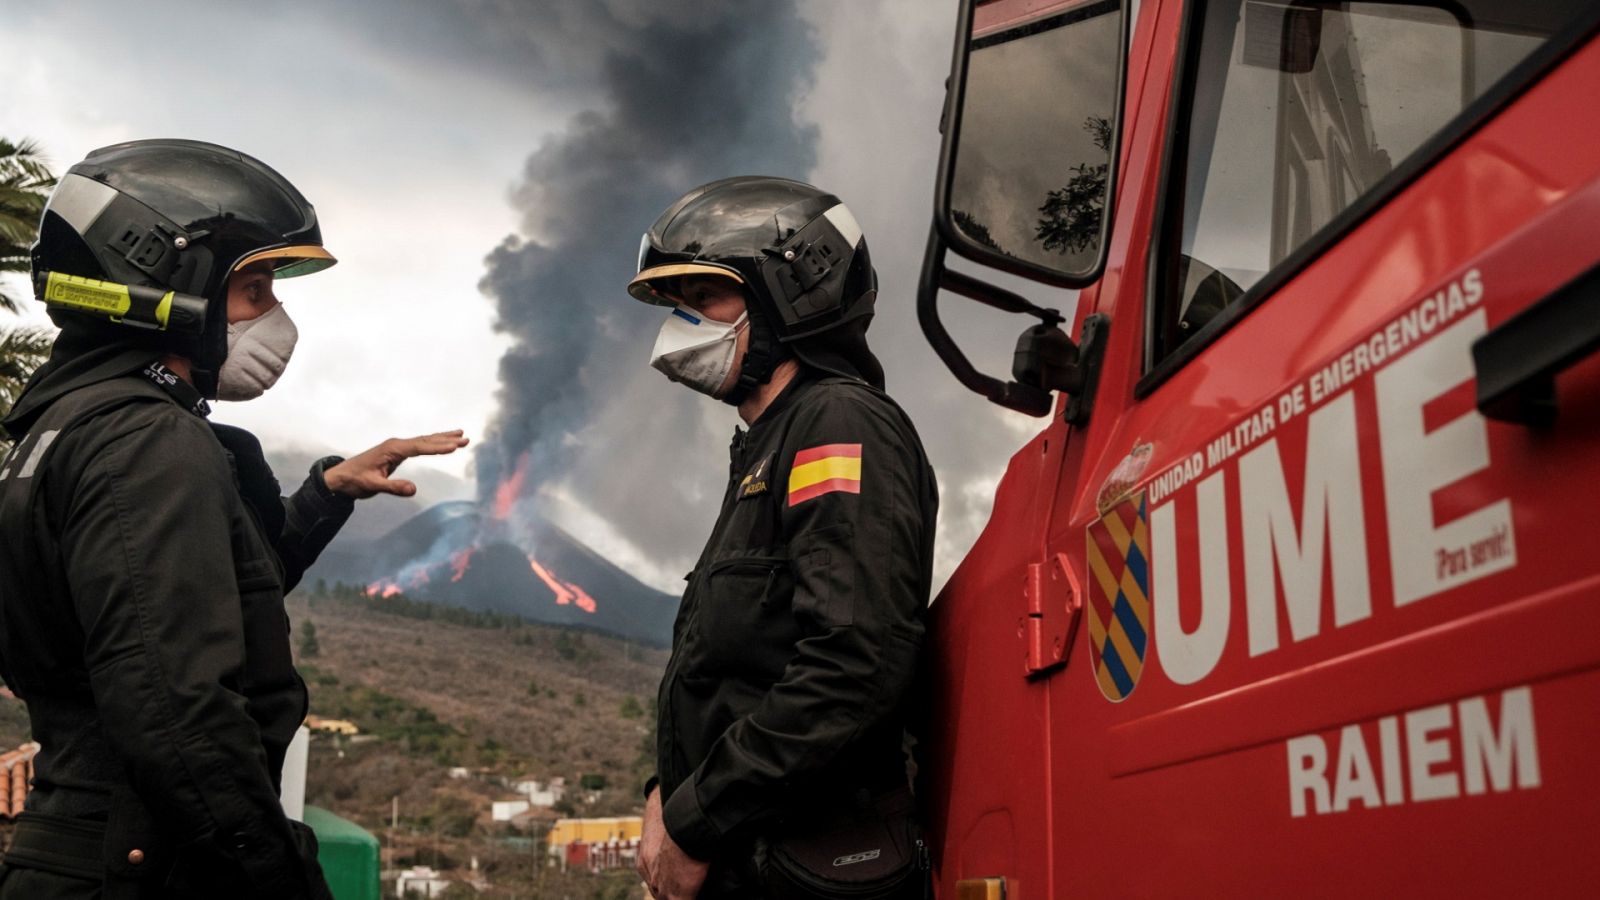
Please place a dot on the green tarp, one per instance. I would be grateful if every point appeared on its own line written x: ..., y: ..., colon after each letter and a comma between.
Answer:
x: 348, y: 853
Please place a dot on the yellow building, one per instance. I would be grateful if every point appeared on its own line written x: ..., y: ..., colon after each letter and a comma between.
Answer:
x: 595, y: 831
x: 332, y: 726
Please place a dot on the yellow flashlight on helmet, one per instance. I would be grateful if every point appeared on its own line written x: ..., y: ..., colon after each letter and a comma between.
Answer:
x: 125, y: 304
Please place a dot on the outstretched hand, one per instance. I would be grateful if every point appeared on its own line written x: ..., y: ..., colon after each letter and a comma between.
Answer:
x: 367, y: 474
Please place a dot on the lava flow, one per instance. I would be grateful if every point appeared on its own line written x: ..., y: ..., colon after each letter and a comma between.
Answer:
x: 414, y: 578
x: 566, y: 592
x: 458, y: 564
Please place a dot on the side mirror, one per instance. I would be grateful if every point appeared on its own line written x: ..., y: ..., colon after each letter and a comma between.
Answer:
x: 1029, y: 156
x: 1026, y: 180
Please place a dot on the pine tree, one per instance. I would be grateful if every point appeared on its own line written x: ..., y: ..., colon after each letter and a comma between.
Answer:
x: 308, y: 640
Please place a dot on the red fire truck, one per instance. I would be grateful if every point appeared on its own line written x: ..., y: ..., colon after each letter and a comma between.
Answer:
x: 1297, y: 592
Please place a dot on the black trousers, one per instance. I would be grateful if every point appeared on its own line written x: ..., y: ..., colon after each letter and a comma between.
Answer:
x: 56, y: 857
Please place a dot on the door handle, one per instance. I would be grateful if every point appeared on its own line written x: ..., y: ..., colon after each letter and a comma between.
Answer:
x: 1517, y: 361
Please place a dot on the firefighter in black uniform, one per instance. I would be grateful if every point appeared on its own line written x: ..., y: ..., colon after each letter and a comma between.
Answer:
x: 145, y: 552
x: 781, y: 761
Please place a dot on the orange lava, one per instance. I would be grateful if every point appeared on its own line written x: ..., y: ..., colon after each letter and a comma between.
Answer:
x: 563, y: 596
x: 565, y: 592
x: 582, y: 598
x: 506, y: 494
x: 459, y: 563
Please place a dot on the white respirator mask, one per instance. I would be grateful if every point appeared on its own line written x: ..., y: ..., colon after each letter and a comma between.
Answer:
x: 696, y: 351
x: 258, y: 352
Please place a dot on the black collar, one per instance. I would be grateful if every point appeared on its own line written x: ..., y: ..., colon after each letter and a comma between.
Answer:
x: 802, y: 379
x: 180, y: 390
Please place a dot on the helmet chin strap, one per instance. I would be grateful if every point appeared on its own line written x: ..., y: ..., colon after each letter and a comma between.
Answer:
x: 761, y: 359
x: 205, y: 381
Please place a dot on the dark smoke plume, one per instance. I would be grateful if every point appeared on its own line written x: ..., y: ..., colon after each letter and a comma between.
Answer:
x: 687, y: 92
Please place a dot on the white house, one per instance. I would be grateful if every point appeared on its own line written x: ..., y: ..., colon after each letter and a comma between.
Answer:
x: 506, y: 810
x: 422, y: 881
x: 540, y: 793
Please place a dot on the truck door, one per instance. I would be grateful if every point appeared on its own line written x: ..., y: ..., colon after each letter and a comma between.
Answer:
x: 1334, y: 516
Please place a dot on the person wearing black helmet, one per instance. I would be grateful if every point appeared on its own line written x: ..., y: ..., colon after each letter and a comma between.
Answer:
x: 783, y: 709
x: 145, y: 551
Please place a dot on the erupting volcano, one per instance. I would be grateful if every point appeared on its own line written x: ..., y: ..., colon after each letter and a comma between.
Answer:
x: 419, y: 573
x: 496, y: 557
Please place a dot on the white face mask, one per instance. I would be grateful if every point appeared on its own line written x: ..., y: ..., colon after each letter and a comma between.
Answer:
x: 258, y: 351
x: 696, y: 351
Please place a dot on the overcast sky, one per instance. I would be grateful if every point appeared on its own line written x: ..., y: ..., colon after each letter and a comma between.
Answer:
x: 475, y: 162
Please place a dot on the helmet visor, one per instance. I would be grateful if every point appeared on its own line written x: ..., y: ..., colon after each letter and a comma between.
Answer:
x: 649, y: 283
x: 291, y: 262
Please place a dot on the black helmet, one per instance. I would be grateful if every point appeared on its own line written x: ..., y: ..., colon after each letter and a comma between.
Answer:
x: 175, y: 216
x: 800, y: 256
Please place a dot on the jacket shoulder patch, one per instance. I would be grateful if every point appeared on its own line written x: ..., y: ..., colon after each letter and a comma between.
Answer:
x: 827, y: 469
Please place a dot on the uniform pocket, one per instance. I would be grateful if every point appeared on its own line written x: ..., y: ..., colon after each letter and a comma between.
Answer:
x: 743, y: 624
x: 256, y: 575
x: 276, y: 693
x: 266, y: 626
x: 825, y: 570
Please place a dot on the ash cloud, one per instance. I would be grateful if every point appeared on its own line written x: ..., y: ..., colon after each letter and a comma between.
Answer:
x: 685, y: 92
x: 843, y: 94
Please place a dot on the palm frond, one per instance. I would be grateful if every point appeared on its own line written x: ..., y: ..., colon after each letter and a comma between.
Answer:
x: 8, y: 301
x: 22, y: 165
x: 21, y: 351
x: 12, y: 259
x: 25, y: 184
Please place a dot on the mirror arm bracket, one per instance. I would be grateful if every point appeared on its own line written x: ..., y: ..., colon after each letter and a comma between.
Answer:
x: 995, y: 297
x: 1046, y: 359
x: 1020, y: 397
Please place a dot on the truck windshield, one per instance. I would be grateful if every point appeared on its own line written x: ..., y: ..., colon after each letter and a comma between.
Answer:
x: 1297, y: 110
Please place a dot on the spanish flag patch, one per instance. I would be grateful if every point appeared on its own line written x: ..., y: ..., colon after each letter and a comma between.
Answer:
x: 823, y: 470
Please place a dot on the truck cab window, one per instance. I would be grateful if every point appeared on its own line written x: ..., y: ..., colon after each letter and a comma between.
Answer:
x: 1292, y: 113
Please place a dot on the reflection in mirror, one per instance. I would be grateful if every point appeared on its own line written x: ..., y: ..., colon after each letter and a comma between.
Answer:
x: 1032, y: 159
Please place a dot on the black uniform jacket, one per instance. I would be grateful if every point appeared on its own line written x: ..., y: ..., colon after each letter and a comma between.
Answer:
x: 142, y: 620
x: 797, y: 641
